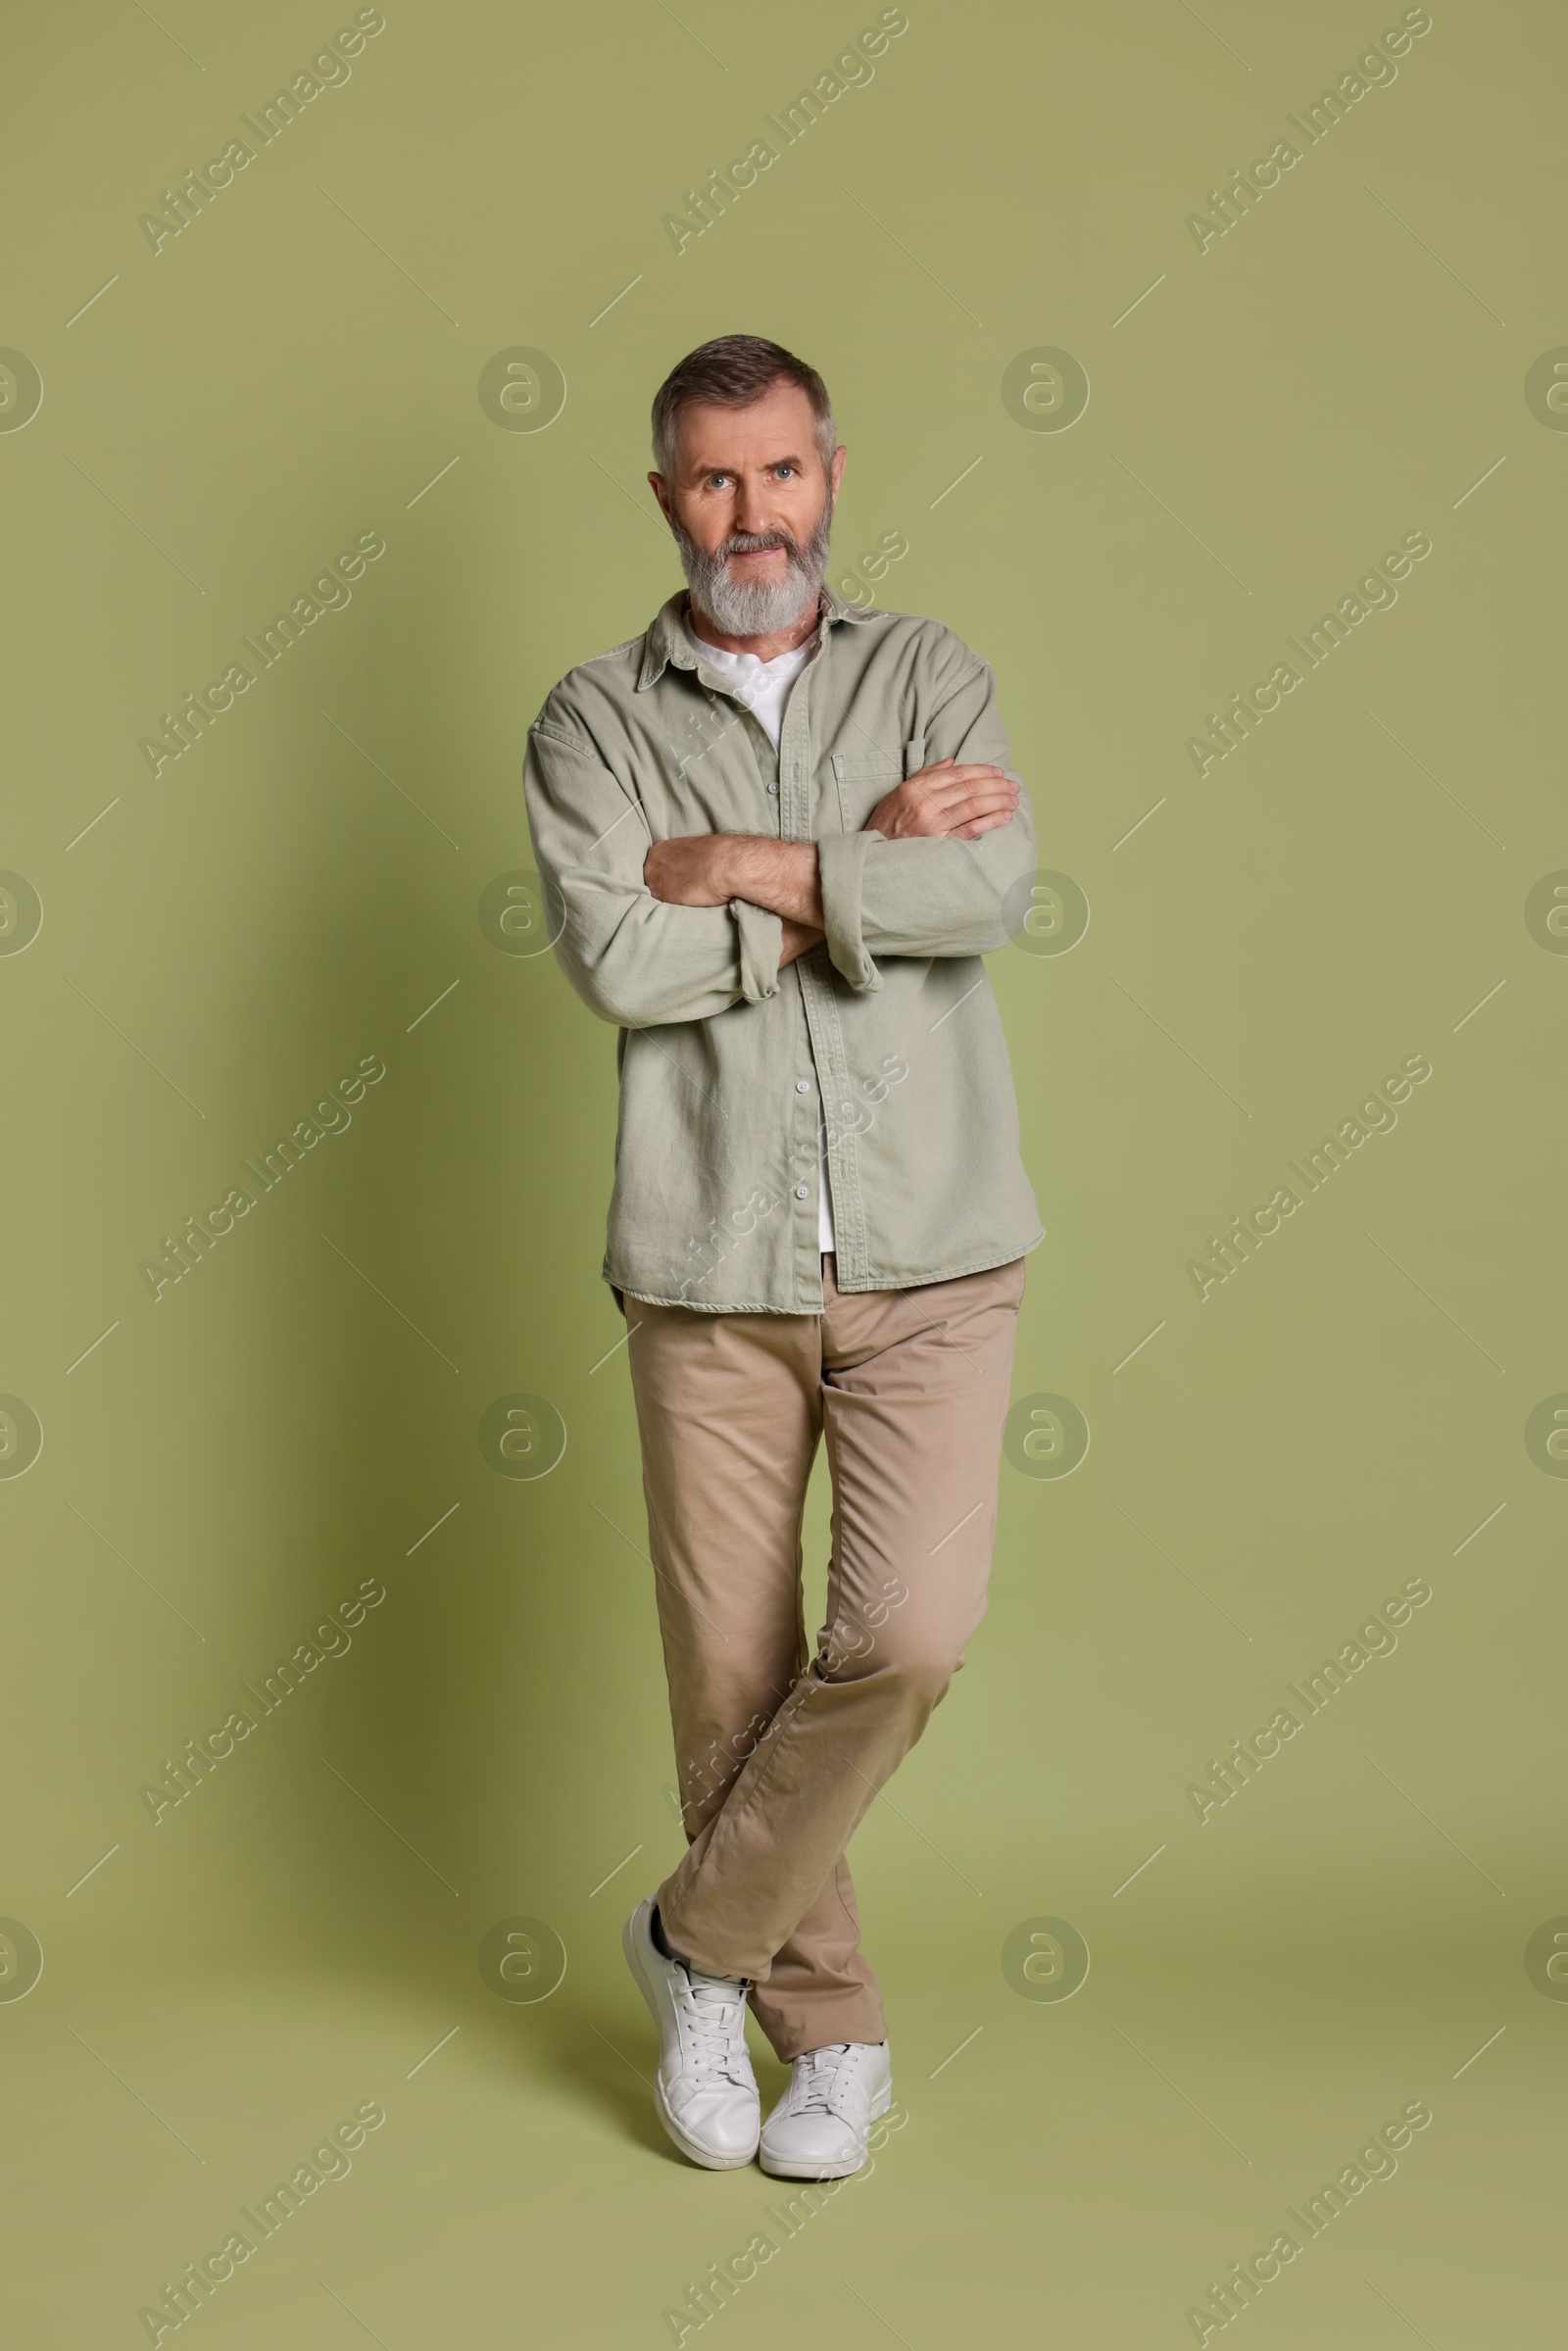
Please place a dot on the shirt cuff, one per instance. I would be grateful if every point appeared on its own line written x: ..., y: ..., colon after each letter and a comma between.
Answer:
x: 841, y: 865
x: 760, y: 937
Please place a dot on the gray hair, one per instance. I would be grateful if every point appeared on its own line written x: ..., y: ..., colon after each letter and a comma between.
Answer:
x: 735, y: 372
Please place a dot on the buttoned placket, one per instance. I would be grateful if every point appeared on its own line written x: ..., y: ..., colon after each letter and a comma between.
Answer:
x: 820, y: 1032
x: 813, y: 978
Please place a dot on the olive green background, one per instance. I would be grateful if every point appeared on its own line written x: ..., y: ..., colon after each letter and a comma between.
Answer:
x: 219, y: 943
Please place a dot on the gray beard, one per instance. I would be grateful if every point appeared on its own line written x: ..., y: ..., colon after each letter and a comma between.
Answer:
x: 757, y: 607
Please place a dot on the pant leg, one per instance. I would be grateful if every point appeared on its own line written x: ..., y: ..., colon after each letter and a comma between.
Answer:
x: 731, y: 1411
x: 915, y: 1390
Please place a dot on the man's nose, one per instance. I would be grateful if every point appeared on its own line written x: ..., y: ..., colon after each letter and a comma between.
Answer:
x: 753, y: 512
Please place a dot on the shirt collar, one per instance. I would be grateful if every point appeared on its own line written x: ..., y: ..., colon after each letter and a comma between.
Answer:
x: 666, y: 643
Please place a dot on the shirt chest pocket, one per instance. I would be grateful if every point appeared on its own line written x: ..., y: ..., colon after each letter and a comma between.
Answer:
x: 862, y: 779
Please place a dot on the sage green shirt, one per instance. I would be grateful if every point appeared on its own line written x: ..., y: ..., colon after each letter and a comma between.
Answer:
x: 888, y: 1031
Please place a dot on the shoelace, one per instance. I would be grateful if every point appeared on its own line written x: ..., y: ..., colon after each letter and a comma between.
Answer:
x: 717, y: 2026
x: 828, y: 2073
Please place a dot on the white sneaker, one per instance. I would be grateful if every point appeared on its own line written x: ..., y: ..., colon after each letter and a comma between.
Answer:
x: 820, y: 2127
x: 705, y: 2091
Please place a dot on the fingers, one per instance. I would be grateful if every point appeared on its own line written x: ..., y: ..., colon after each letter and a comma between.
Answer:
x: 983, y: 800
x: 946, y: 777
x: 958, y: 825
x: 953, y: 803
x: 990, y: 807
x: 981, y: 824
x: 944, y: 801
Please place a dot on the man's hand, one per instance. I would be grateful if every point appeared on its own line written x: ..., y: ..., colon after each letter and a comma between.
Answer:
x: 945, y: 802
x: 708, y: 869
x: 691, y: 870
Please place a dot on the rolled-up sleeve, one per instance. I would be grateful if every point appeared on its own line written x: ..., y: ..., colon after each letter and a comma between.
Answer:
x: 633, y: 959
x: 925, y: 897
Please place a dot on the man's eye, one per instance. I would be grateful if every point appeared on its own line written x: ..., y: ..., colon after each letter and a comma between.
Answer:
x: 783, y: 470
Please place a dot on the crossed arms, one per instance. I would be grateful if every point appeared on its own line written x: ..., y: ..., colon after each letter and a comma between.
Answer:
x: 701, y: 923
x: 946, y: 801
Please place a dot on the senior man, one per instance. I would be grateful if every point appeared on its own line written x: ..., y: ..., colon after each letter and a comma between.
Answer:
x: 779, y: 833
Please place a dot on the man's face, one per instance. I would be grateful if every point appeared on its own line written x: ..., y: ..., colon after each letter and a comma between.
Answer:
x: 750, y: 504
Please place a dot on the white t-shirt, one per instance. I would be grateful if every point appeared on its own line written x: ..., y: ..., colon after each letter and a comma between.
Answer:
x: 764, y: 688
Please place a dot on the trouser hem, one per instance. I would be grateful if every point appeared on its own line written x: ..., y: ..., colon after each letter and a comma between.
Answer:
x: 834, y: 2020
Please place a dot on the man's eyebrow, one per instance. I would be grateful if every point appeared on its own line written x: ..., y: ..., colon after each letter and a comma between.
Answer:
x: 719, y: 466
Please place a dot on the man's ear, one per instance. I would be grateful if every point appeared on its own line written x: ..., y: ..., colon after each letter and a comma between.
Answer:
x: 836, y: 473
x: 661, y: 489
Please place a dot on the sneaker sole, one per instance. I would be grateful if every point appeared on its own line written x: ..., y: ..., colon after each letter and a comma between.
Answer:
x: 688, y: 2146
x: 783, y: 2169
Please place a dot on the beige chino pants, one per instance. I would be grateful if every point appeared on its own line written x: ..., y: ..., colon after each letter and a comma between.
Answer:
x: 780, y: 1753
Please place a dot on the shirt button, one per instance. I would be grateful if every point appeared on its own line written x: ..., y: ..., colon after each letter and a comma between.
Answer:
x: 773, y: 788
x: 803, y: 1086
x: 800, y: 1192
